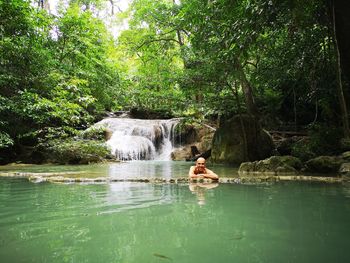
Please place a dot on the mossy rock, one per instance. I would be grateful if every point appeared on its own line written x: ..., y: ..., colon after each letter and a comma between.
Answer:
x: 229, y: 144
x: 346, y: 155
x: 289, y: 160
x: 185, y: 134
x: 345, y: 169
x: 181, y: 154
x: 279, y: 162
x: 275, y: 164
x: 247, y: 167
x: 324, y: 164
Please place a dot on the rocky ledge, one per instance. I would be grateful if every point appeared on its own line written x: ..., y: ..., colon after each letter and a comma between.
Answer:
x: 258, y: 178
x: 323, y: 166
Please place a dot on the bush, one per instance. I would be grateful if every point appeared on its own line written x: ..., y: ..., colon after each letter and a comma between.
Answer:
x: 5, y: 140
x: 77, y: 151
x: 325, y: 139
x: 94, y: 133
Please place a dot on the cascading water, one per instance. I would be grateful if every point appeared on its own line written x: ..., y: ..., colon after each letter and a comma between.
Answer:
x: 136, y: 139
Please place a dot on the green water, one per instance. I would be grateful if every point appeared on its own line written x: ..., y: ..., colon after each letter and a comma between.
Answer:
x: 140, y: 222
x: 134, y: 169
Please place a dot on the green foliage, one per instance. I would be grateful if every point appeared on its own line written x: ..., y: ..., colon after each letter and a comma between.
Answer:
x: 189, y: 58
x: 55, y: 72
x: 5, y: 140
x: 83, y: 48
x: 323, y: 140
x: 303, y: 150
x: 151, y: 49
x: 76, y: 151
x: 94, y: 133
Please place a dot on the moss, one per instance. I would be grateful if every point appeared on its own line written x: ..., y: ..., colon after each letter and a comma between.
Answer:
x: 291, y: 161
x: 247, y: 167
x: 324, y: 164
x: 274, y: 164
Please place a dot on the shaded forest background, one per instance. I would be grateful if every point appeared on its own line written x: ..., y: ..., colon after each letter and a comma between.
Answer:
x: 285, y: 62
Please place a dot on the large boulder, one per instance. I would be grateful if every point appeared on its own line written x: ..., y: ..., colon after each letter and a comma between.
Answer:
x: 181, y: 153
x: 229, y: 145
x: 191, y: 141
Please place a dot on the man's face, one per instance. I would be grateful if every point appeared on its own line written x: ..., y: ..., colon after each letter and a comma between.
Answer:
x: 200, y: 163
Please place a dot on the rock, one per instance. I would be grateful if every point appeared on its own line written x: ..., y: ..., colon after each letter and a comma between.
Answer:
x: 108, y: 133
x: 346, y: 155
x: 286, y: 169
x: 345, y: 169
x: 181, y: 154
x: 287, y: 160
x: 194, y: 150
x: 229, y: 146
x: 276, y: 165
x: 324, y: 164
x: 158, y: 136
x: 185, y: 134
x: 247, y: 167
x: 205, y: 142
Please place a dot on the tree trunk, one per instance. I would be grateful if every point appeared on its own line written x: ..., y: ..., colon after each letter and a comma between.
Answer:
x: 341, y: 28
x: 112, y: 7
x: 341, y: 19
x: 247, y: 90
x: 244, y: 133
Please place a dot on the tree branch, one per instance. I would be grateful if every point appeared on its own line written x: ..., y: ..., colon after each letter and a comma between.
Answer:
x: 157, y: 40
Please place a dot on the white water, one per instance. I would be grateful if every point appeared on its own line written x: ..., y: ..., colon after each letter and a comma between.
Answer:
x: 136, y: 139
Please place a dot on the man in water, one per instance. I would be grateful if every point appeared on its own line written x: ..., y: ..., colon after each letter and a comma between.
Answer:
x: 200, y: 171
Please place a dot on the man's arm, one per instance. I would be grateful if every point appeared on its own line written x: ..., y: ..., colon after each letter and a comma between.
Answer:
x: 210, y: 174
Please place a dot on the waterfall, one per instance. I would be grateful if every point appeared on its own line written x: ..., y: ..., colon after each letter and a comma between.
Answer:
x: 138, y: 139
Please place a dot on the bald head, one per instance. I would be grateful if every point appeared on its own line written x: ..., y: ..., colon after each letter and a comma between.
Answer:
x: 201, y: 160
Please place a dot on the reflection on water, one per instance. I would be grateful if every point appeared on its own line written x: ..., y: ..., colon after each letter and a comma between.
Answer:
x: 135, y: 169
x: 126, y: 196
x: 199, y: 190
x: 135, y: 222
x: 164, y: 169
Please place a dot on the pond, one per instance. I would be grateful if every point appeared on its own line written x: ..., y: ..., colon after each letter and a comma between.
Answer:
x: 145, y: 222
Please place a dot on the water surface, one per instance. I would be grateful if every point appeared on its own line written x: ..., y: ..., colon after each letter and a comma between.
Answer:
x: 132, y: 169
x: 143, y: 222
